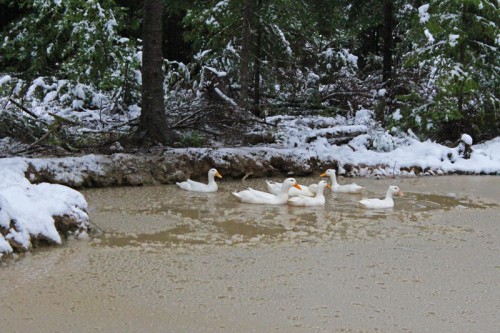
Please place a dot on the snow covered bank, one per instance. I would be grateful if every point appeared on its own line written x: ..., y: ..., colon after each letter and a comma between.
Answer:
x: 408, y: 157
x: 30, y: 213
x: 373, y: 150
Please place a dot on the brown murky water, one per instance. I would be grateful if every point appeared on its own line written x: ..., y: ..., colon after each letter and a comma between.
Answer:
x: 171, y: 260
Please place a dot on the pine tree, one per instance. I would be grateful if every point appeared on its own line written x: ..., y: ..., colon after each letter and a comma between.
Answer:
x: 266, y: 41
x: 457, y: 53
x: 74, y: 39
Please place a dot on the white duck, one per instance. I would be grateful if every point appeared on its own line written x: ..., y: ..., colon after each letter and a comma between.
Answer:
x: 258, y: 197
x: 317, y: 200
x: 308, y: 191
x: 336, y: 187
x: 191, y: 185
x: 382, y: 203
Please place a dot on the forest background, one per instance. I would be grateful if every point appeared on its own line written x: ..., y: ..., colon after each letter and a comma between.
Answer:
x: 219, y: 67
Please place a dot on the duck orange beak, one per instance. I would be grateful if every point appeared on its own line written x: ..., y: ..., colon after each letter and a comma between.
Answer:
x: 297, y: 186
x: 328, y: 186
x: 323, y: 175
x: 401, y: 194
x: 218, y: 174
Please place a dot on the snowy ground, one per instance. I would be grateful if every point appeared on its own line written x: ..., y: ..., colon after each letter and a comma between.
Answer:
x: 375, y: 147
x: 372, y: 152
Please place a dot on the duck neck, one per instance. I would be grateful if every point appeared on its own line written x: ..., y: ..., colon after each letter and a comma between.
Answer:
x: 284, y: 190
x: 211, y: 179
x: 389, y: 194
x: 333, y: 178
x: 283, y: 195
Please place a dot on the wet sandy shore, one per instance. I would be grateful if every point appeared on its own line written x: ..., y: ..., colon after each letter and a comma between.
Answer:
x: 211, y: 265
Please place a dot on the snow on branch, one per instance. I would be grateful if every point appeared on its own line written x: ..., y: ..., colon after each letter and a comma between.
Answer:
x: 225, y: 97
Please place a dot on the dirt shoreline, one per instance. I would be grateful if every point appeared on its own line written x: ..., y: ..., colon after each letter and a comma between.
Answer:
x: 170, y: 166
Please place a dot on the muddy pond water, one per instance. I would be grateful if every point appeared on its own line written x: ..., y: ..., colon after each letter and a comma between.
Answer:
x: 165, y: 260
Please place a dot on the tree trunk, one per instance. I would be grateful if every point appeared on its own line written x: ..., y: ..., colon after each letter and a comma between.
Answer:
x: 387, y: 56
x: 245, y: 53
x: 256, y: 74
x: 153, y: 121
x: 387, y: 35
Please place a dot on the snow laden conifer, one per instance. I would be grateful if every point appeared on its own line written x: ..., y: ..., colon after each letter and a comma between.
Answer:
x: 74, y: 40
x: 288, y: 53
x: 456, y: 50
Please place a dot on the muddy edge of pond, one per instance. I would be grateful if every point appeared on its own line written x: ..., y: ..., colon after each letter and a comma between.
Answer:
x: 170, y: 166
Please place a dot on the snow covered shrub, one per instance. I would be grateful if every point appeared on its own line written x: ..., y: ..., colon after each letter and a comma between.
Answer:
x: 339, y: 78
x: 382, y: 141
x: 364, y: 117
x: 419, y: 119
x: 50, y: 94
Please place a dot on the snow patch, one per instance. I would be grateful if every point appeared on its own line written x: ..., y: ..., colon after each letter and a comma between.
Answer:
x: 430, y: 37
x: 453, y: 39
x: 467, y: 139
x: 396, y: 115
x: 4, y: 79
x: 423, y: 14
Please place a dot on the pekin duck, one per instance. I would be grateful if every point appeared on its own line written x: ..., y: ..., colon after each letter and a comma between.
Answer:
x: 308, y: 191
x: 336, y: 187
x: 388, y: 202
x: 258, y: 197
x: 191, y: 185
x: 317, y: 200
